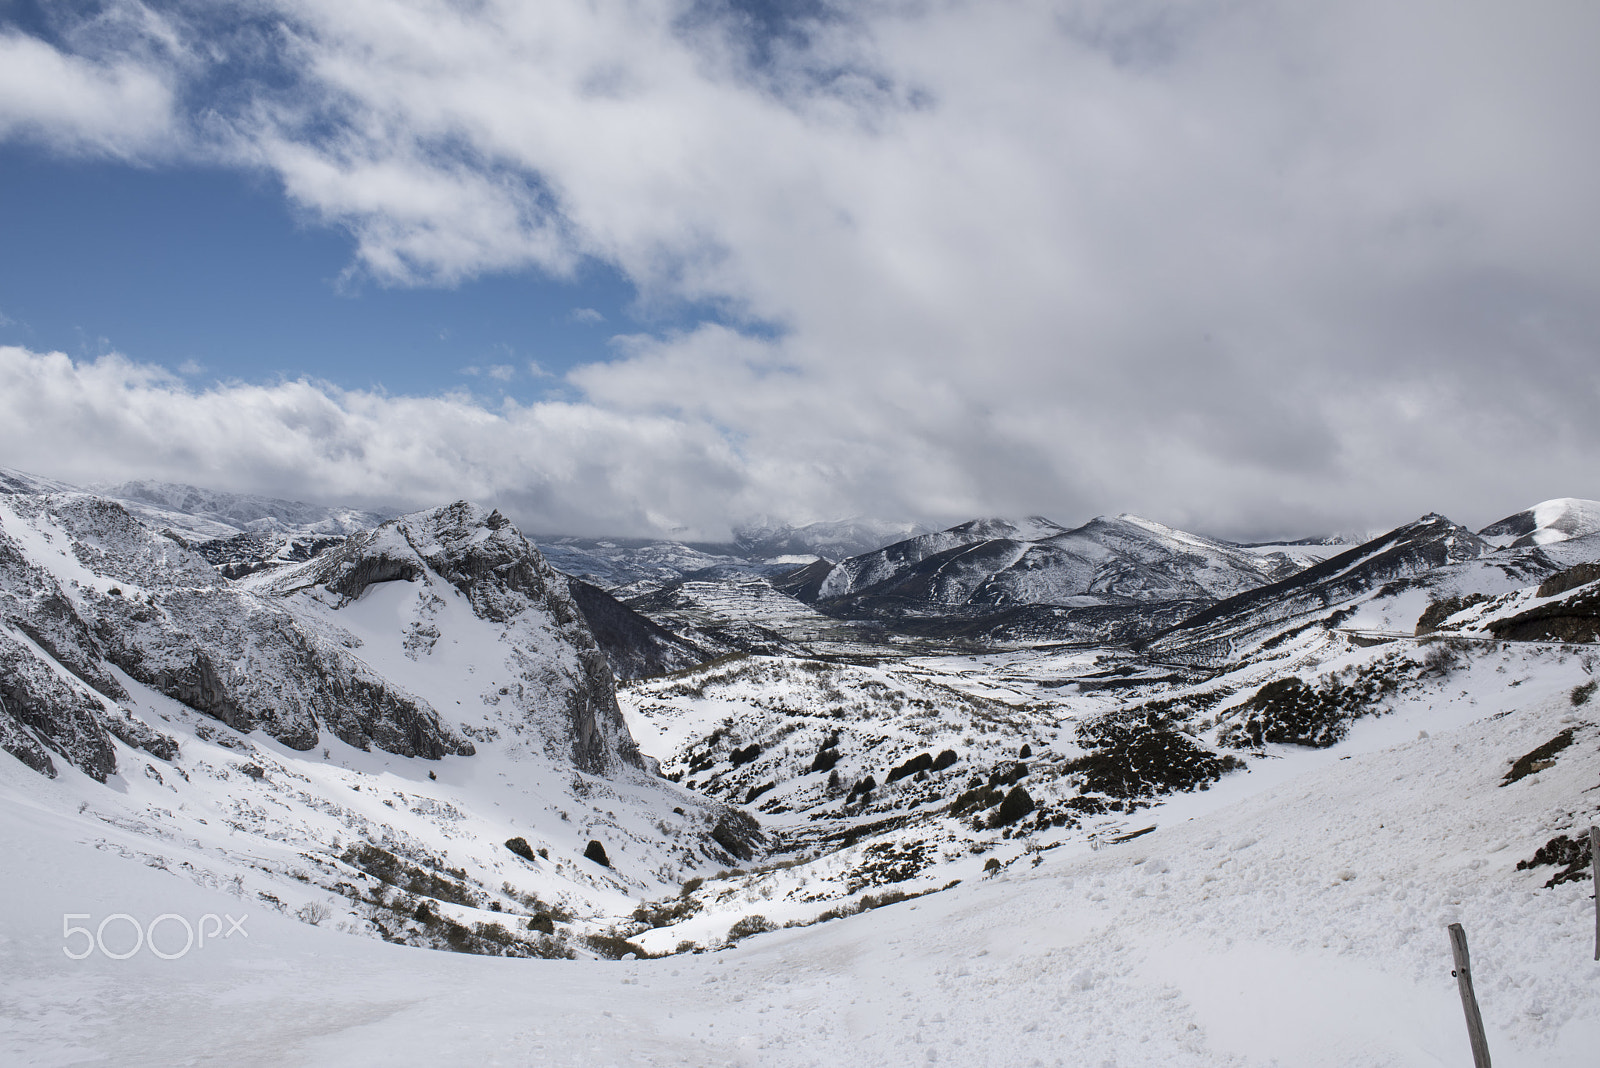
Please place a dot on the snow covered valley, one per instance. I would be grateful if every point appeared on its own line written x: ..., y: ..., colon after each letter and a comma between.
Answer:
x: 244, y: 820
x: 1293, y: 914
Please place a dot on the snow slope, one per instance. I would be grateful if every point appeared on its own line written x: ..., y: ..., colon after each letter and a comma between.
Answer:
x: 1297, y: 921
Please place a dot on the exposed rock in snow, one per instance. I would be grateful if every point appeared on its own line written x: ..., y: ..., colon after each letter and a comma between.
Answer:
x: 249, y: 554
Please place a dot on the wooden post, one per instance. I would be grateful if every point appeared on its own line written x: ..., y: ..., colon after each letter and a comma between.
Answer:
x: 1469, y: 1000
x: 1594, y: 858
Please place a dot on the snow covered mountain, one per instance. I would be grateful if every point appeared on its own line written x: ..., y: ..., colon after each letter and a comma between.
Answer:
x: 460, y: 561
x: 90, y: 589
x: 428, y: 688
x: 1546, y: 522
x: 996, y: 563
x: 1403, y: 554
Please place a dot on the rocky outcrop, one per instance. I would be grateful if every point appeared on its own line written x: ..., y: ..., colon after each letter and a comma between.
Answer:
x: 146, y: 604
x: 44, y: 711
x: 564, y: 686
x: 247, y: 554
x: 1573, y: 615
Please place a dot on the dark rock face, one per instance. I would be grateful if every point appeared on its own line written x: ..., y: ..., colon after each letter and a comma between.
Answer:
x: 1569, y: 852
x: 805, y: 583
x: 1572, y: 613
x: 42, y: 708
x: 1570, y: 579
x: 1515, y: 526
x: 1574, y: 617
x: 739, y: 834
x: 21, y: 743
x: 635, y: 647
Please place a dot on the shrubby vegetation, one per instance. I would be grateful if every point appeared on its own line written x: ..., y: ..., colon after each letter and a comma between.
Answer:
x: 1141, y: 752
x: 1289, y: 710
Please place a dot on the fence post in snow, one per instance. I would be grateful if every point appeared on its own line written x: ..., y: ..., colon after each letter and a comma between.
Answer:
x: 1594, y: 859
x: 1469, y: 1000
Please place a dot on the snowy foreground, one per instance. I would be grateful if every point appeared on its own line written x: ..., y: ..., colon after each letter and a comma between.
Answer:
x: 1294, y: 915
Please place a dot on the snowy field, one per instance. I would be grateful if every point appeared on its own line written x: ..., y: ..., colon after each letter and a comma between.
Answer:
x: 1294, y: 915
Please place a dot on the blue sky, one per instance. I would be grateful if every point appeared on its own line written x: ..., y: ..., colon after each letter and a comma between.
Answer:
x: 1246, y: 268
x: 207, y: 269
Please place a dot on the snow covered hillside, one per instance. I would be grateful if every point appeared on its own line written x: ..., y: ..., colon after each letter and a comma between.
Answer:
x: 1291, y: 915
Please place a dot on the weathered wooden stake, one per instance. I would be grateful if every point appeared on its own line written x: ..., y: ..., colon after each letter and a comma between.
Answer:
x: 1594, y: 858
x: 1469, y: 1000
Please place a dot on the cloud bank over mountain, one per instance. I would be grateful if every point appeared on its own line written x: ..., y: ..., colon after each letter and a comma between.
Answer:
x: 1208, y: 262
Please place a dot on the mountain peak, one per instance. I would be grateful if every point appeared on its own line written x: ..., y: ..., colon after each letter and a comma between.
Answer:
x: 1558, y: 519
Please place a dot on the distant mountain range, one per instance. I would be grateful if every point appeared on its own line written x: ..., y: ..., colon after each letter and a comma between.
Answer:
x: 763, y: 540
x: 661, y: 605
x: 204, y: 514
x: 996, y: 563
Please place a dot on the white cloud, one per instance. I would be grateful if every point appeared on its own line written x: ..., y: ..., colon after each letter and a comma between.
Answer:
x: 553, y: 466
x: 501, y: 372
x: 1220, y: 262
x: 121, y: 108
x: 586, y: 315
x: 625, y: 464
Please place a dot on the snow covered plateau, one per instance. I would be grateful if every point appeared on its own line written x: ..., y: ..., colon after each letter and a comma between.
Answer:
x: 367, y: 790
